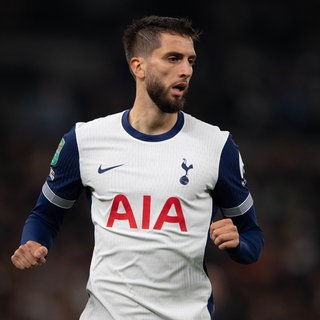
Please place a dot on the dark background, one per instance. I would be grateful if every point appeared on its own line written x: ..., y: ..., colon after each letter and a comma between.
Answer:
x: 257, y: 75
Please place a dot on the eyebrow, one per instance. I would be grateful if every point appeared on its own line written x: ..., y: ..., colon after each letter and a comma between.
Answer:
x: 179, y: 54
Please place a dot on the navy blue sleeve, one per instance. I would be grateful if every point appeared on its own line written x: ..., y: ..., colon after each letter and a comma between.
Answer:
x: 43, y: 223
x: 59, y: 192
x: 232, y: 196
x: 251, y: 238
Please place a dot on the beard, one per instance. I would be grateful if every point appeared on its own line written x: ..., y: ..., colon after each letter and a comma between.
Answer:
x: 159, y: 94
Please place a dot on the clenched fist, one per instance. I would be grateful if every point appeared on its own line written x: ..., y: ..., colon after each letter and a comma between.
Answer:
x: 29, y: 255
x: 224, y: 234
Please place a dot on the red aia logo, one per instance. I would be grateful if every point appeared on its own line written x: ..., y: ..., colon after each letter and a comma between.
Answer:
x: 172, y: 203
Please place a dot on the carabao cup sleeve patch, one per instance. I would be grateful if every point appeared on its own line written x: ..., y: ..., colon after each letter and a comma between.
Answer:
x: 57, y: 153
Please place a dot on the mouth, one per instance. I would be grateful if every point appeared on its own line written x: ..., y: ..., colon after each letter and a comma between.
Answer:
x: 180, y: 87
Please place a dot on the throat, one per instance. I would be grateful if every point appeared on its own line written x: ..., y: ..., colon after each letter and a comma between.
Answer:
x: 154, y: 125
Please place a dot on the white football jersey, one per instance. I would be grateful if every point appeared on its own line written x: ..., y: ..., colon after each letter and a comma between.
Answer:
x: 152, y: 201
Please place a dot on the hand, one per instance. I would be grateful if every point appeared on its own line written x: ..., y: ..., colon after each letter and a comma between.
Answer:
x: 29, y: 255
x: 224, y: 234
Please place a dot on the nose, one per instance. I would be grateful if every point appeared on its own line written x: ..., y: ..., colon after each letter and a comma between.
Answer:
x: 186, y: 69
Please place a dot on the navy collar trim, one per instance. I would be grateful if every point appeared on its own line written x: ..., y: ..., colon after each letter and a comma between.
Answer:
x: 148, y: 137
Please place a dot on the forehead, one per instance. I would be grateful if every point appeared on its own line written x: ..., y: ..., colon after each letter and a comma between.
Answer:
x: 176, y: 43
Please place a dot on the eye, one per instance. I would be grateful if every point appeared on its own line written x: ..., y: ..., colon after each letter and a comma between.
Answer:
x: 192, y: 61
x: 173, y: 58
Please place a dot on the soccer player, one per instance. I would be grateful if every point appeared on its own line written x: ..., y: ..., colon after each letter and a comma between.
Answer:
x: 156, y: 176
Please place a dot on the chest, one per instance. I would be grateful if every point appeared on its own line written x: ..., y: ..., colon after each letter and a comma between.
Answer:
x: 181, y: 168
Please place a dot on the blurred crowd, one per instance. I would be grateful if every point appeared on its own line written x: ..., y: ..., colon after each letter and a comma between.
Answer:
x: 257, y: 75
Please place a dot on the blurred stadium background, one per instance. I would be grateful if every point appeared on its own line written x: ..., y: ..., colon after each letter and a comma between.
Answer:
x: 257, y: 75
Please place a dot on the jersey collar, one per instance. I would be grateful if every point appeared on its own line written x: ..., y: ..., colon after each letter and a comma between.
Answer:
x: 148, y: 137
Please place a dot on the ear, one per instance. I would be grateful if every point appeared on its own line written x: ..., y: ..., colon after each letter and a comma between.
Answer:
x: 137, y: 67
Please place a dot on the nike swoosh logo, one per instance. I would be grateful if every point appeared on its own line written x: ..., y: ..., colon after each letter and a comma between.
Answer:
x: 100, y: 170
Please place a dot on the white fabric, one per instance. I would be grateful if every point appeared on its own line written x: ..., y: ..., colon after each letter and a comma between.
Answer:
x: 137, y: 270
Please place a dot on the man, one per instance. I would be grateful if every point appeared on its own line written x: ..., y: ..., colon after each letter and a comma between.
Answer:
x: 155, y: 176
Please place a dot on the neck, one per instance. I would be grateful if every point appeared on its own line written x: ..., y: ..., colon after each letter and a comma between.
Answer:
x: 150, y: 120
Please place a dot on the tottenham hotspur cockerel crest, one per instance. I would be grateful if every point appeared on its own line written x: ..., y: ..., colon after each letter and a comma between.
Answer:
x: 184, y: 179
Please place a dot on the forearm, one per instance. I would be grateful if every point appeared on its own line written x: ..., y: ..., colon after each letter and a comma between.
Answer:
x: 249, y: 248
x: 251, y: 238
x: 43, y: 223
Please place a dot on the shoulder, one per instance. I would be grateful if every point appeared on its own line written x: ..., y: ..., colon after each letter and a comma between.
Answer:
x: 204, y: 129
x: 98, y: 129
x: 99, y: 123
x: 193, y: 121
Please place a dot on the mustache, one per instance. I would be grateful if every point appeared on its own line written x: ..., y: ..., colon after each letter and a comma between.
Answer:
x: 181, y: 85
